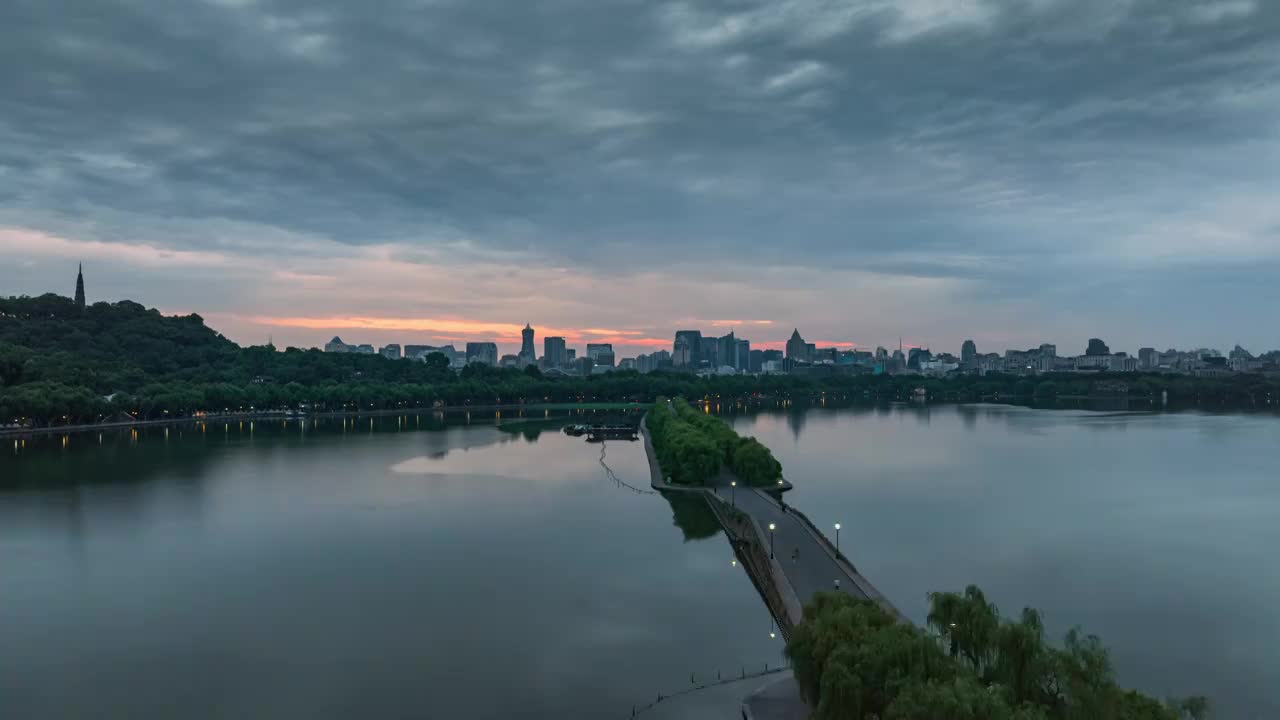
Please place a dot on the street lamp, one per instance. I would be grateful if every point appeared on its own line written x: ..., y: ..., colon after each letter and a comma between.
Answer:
x: 772, y: 527
x: 733, y: 484
x: 837, y: 537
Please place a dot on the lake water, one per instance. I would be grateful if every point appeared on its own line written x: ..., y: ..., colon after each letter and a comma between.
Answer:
x: 433, y: 566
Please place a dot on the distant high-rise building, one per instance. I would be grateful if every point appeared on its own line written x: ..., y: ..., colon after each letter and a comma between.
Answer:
x: 528, y: 355
x: 365, y: 349
x: 755, y: 361
x: 709, y: 353
x: 915, y: 356
x: 482, y: 352
x: 693, y: 342
x: 656, y: 360
x: 1097, y: 348
x: 601, y: 354
x: 1048, y: 350
x: 882, y: 354
x: 627, y: 364
x: 726, y: 350
x: 682, y: 354
x: 797, y: 348
x: 337, y: 346
x: 1148, y: 358
x: 421, y: 352
x: 571, y: 354
x: 509, y: 361
x: 968, y: 352
x: 742, y: 359
x: 391, y: 351
x: 554, y: 352
x: 80, y: 288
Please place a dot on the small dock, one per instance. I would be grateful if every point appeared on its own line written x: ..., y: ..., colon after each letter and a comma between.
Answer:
x: 600, y: 433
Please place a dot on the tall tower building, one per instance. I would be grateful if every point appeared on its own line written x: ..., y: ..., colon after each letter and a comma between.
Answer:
x: 527, y: 353
x: 80, y: 288
x: 482, y: 352
x: 743, y: 359
x: 968, y: 352
x: 554, y: 353
x: 797, y: 348
x: 692, y: 352
x: 726, y: 350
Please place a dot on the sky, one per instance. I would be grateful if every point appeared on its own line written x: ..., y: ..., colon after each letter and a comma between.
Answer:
x: 427, y: 171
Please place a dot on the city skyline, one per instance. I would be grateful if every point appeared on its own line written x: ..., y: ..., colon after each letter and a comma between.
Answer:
x: 709, y: 354
x: 1014, y: 172
x: 968, y: 349
x: 629, y: 346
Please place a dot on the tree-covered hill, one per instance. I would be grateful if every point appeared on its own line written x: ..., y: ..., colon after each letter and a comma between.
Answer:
x: 104, y: 347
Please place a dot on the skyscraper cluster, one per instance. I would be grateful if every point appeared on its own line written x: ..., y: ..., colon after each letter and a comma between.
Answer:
x: 708, y: 354
x: 726, y: 354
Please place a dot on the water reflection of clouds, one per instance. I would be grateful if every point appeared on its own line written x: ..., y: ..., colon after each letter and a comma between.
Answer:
x: 495, y: 459
x: 1155, y: 530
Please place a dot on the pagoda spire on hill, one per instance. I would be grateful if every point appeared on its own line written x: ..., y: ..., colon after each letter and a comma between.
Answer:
x: 80, y: 288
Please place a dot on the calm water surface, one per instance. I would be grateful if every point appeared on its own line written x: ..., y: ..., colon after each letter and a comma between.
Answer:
x: 430, y: 567
x: 1158, y: 532
x: 380, y: 571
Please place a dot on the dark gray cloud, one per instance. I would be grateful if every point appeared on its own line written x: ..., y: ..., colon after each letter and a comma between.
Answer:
x: 1014, y: 144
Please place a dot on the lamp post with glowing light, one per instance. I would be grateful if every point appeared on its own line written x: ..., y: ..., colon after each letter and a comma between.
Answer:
x: 772, y: 527
x: 733, y: 485
x: 837, y: 537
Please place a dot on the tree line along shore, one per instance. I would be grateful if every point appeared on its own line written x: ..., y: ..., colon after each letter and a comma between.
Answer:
x: 65, y: 365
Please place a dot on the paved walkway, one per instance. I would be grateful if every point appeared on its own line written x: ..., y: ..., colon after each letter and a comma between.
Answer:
x: 798, y: 575
x: 776, y: 699
x: 816, y: 568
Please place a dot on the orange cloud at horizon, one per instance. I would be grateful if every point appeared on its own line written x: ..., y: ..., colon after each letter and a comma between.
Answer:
x: 446, y: 330
x: 497, y: 332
